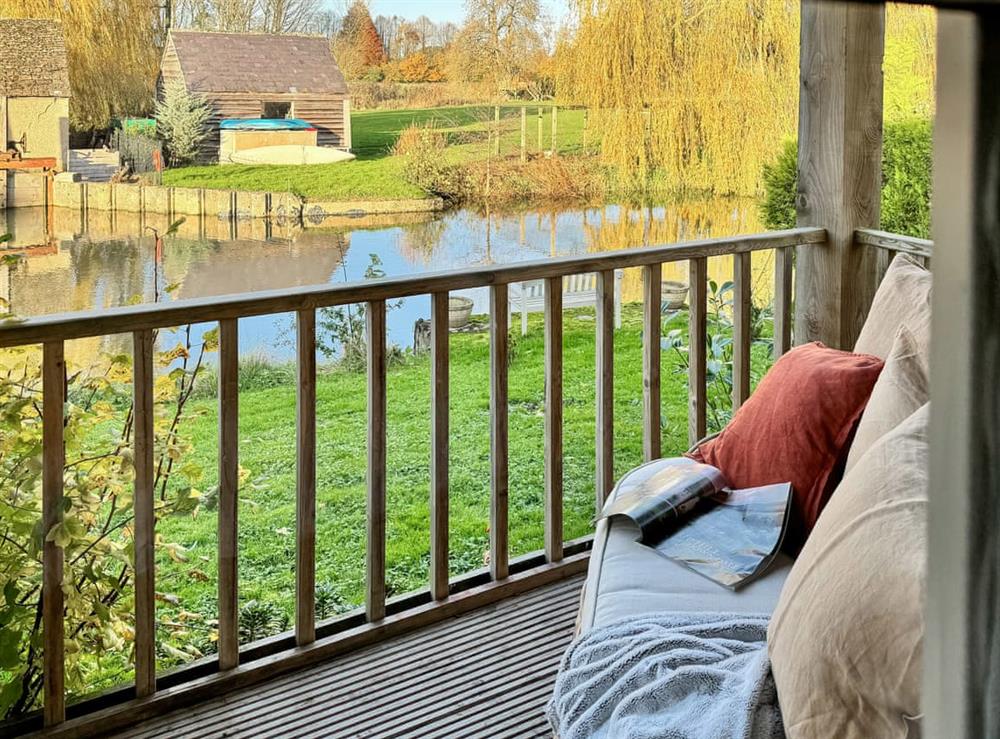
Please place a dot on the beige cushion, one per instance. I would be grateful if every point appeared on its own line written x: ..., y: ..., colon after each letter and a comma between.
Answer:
x: 846, y: 638
x: 903, y: 299
x: 900, y: 390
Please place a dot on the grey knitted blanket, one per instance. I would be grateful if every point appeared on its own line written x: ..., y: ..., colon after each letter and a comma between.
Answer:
x: 670, y: 675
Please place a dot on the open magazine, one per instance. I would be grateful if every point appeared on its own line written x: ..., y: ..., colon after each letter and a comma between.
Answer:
x: 687, y: 512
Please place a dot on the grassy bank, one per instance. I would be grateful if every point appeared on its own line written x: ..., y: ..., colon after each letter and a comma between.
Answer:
x: 378, y: 174
x: 267, y: 440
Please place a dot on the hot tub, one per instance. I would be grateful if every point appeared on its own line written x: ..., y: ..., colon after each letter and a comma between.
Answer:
x: 240, y: 135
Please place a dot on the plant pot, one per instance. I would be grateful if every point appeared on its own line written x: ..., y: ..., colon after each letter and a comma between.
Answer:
x: 459, y: 311
x: 673, y: 294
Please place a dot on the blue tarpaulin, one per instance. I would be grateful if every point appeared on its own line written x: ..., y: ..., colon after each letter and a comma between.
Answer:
x: 265, y: 124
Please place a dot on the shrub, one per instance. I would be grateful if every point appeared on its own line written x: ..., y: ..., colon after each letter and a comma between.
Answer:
x: 181, y: 119
x: 906, y: 181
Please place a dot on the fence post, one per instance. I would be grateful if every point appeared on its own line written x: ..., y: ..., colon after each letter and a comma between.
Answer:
x: 496, y: 121
x: 555, y: 124
x: 524, y: 133
x: 540, y: 130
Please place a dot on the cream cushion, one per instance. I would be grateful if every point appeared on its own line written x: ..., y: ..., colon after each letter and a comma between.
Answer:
x: 902, y: 299
x: 900, y: 390
x: 846, y: 637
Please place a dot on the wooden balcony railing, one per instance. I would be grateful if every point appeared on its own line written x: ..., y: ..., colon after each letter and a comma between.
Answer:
x: 446, y: 596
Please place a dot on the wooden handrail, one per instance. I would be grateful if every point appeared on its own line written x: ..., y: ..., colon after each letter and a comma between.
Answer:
x: 67, y: 326
x: 53, y: 331
x: 923, y: 248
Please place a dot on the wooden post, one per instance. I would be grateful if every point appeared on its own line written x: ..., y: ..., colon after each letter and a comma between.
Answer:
x: 697, y: 348
x: 651, y: 329
x: 375, y: 557
x: 229, y: 445
x: 496, y: 130
x: 553, y: 419
x: 53, y: 464
x: 586, y: 125
x: 540, y: 130
x: 605, y: 457
x: 142, y: 506
x: 961, y: 659
x: 524, y: 134
x: 499, y: 430
x: 555, y: 127
x: 305, y: 480
x: 840, y: 166
x: 439, y: 446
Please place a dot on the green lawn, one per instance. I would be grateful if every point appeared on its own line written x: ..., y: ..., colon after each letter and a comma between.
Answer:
x: 377, y: 174
x: 267, y: 443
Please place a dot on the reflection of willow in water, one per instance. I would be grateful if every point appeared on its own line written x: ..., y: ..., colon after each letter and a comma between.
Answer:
x: 676, y: 223
x: 418, y: 241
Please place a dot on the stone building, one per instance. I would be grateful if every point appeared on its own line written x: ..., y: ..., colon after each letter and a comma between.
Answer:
x: 34, y: 89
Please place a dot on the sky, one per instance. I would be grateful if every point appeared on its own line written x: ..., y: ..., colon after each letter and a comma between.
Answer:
x: 446, y: 10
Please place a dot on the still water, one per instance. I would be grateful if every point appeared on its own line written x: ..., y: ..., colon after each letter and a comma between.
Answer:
x: 71, y: 262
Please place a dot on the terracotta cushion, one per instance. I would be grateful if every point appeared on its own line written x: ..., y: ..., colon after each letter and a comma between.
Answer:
x: 796, y: 428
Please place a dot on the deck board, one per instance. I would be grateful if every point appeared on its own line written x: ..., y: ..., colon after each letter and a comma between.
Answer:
x: 486, y: 673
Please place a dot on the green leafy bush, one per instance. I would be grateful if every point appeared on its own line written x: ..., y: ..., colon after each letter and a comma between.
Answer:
x: 96, y: 532
x: 906, y: 181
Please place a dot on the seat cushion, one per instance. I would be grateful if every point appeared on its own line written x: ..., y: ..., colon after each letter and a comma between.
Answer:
x: 628, y: 579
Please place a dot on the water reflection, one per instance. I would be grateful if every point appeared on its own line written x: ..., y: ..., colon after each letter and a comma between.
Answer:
x: 76, y: 262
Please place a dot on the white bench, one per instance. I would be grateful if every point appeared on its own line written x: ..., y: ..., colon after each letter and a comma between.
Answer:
x: 579, y: 291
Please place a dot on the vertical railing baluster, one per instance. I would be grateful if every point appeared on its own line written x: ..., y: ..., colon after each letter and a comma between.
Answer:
x: 697, y: 346
x: 145, y: 568
x: 741, y: 329
x: 305, y: 479
x: 53, y: 464
x: 229, y: 441
x: 553, y: 420
x: 605, y: 386
x: 499, y: 430
x: 651, y: 329
x: 439, y: 446
x: 783, y: 299
x: 375, y: 590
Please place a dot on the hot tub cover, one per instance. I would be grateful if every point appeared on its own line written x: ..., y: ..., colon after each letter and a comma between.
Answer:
x: 266, y: 124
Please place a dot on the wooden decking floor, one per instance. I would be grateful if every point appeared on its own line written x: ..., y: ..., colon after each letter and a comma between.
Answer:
x: 487, y: 673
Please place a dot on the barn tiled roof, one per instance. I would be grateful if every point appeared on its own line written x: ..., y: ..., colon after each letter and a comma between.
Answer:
x: 32, y: 58
x: 247, y: 62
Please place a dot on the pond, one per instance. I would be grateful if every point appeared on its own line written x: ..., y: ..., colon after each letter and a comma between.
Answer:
x: 74, y: 262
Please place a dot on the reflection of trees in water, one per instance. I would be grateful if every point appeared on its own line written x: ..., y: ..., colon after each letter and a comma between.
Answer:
x: 615, y: 229
x: 419, y: 241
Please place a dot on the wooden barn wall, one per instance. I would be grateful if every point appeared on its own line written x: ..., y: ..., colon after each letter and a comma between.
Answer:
x: 326, y: 113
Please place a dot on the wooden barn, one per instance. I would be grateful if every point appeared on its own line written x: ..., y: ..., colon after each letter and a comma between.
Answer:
x: 261, y: 76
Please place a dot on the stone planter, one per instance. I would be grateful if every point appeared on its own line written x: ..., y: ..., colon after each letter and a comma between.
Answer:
x: 459, y: 311
x: 673, y: 294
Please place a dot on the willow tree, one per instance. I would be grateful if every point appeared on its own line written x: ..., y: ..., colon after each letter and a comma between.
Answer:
x: 114, y: 52
x: 702, y: 93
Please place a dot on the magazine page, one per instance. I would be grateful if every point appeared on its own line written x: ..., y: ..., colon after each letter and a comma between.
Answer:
x: 733, y: 537
x: 659, y: 493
